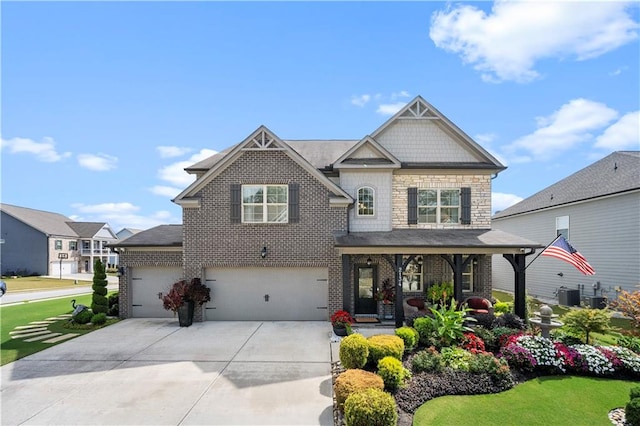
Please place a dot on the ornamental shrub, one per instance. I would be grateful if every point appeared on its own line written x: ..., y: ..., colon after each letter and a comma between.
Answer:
x: 630, y: 342
x: 490, y: 342
x: 584, y: 321
x: 114, y: 306
x: 634, y: 392
x: 98, y: 319
x: 99, y: 303
x: 354, y: 351
x: 83, y: 317
x: 472, y: 343
x: 449, y: 324
x: 632, y: 412
x: 424, y: 327
x: 381, y: 345
x: 355, y: 380
x: 487, y: 363
x: 410, y: 337
x: 509, y: 320
x: 392, y: 372
x: 629, y: 305
x: 502, y: 307
x: 427, y: 361
x: 456, y: 358
x: 484, y: 320
x: 371, y: 407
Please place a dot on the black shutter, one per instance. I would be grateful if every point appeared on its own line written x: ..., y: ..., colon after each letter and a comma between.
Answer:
x: 412, y: 206
x: 236, y: 203
x: 465, y: 201
x: 294, y: 203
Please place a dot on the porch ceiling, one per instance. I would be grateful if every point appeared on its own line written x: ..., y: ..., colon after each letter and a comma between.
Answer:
x: 433, y: 241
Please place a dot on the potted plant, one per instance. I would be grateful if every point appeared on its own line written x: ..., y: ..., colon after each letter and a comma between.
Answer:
x: 341, y: 322
x: 387, y: 293
x: 182, y: 298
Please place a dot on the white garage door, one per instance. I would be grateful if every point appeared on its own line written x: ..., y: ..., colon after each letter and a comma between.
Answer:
x: 69, y: 267
x: 146, y: 283
x: 267, y: 294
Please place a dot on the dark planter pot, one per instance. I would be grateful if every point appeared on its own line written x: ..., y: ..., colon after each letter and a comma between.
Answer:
x: 185, y: 314
x: 340, y: 330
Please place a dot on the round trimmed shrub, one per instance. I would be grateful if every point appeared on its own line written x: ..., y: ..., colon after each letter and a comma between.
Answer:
x: 83, y: 317
x: 371, y: 407
x: 631, y: 412
x: 381, y: 345
x: 425, y: 329
x: 355, y: 380
x: 410, y: 337
x: 634, y: 392
x: 98, y: 319
x: 354, y: 351
x: 392, y: 372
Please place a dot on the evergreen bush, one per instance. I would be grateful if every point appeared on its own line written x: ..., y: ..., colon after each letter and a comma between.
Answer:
x: 425, y: 329
x: 410, y: 337
x: 83, y: 317
x: 370, y: 407
x: 355, y: 380
x: 632, y: 412
x: 354, y: 351
x: 392, y: 372
x: 99, y: 303
x: 98, y: 319
x: 381, y: 345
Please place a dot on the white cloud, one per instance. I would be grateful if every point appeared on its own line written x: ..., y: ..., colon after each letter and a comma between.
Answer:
x: 506, y: 43
x: 172, y: 151
x: 166, y: 191
x: 623, y: 134
x: 485, y: 138
x: 44, y: 151
x: 390, y: 109
x: 400, y: 94
x: 562, y: 130
x: 121, y: 215
x: 501, y: 201
x: 360, y: 100
x: 175, y: 174
x: 618, y: 71
x: 98, y: 162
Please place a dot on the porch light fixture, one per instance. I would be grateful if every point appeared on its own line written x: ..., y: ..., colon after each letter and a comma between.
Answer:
x: 121, y: 271
x: 369, y: 261
x: 263, y: 253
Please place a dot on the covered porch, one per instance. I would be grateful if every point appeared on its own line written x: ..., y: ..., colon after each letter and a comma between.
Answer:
x: 412, y: 260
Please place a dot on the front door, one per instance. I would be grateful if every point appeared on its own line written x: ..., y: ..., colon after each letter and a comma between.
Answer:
x: 366, y: 278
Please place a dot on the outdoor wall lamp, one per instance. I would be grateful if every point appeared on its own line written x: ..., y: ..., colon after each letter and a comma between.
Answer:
x: 263, y: 253
x: 121, y: 271
x: 369, y: 261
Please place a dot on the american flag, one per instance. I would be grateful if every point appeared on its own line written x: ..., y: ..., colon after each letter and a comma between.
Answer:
x: 561, y: 249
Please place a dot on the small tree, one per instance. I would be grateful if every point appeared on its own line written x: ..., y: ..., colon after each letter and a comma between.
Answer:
x: 99, y: 301
x: 629, y: 305
x: 583, y: 321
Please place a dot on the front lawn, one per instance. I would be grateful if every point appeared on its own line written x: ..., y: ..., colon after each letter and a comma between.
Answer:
x: 549, y: 400
x: 23, y: 314
x: 41, y: 283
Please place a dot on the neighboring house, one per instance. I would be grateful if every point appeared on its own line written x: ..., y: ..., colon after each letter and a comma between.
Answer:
x: 295, y: 230
x: 597, y: 209
x: 45, y: 243
x: 126, y: 233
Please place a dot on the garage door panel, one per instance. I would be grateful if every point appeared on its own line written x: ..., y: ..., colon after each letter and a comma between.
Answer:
x: 267, y: 294
x: 146, y: 283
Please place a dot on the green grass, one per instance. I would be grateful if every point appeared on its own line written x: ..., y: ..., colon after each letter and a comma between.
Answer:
x: 23, y: 314
x: 553, y: 400
x: 39, y: 283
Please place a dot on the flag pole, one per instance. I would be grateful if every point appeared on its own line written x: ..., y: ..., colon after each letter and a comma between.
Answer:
x: 542, y: 251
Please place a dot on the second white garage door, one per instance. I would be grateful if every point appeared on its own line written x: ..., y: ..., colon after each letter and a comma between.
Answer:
x: 146, y: 283
x: 267, y: 294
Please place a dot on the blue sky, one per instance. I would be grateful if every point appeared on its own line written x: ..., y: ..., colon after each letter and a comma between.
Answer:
x: 104, y: 104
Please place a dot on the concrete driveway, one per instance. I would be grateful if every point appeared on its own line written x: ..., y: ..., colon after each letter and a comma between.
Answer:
x: 150, y: 371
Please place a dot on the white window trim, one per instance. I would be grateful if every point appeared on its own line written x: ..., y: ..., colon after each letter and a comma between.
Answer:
x: 439, y: 206
x: 264, y: 203
x: 373, y: 202
x: 560, y: 222
x: 469, y: 271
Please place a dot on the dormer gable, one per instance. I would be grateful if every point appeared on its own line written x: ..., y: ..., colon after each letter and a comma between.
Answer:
x: 369, y: 154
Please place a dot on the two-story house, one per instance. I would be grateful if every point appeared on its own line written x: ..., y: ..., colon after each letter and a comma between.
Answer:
x: 295, y: 230
x: 39, y: 242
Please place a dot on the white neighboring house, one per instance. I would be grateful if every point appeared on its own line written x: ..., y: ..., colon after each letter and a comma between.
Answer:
x: 126, y: 233
x: 597, y: 209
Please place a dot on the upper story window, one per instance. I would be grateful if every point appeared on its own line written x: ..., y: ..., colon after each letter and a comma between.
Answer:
x: 73, y: 245
x: 438, y: 206
x: 58, y: 245
x: 265, y: 203
x: 366, y: 197
x: 562, y: 226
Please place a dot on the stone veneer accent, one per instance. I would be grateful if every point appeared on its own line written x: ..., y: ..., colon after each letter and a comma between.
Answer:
x: 132, y: 258
x: 480, y: 185
x: 211, y: 240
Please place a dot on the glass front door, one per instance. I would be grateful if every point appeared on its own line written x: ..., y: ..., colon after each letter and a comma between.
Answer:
x: 366, y: 280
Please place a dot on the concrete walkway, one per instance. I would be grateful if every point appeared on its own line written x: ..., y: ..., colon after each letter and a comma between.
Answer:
x: 152, y: 372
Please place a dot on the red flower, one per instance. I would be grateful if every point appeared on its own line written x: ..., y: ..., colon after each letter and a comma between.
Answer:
x: 341, y: 318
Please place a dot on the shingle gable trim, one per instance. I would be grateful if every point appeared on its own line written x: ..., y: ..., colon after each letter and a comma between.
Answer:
x: 345, y: 159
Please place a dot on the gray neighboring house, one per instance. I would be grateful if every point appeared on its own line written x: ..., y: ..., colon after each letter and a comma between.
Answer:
x: 296, y: 230
x: 597, y: 209
x: 34, y: 241
x: 126, y: 233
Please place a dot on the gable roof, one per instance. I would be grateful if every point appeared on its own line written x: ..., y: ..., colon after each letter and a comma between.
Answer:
x: 46, y: 222
x: 159, y: 236
x: 617, y: 173
x: 367, y: 152
x: 261, y: 139
x: 419, y: 109
x: 86, y: 229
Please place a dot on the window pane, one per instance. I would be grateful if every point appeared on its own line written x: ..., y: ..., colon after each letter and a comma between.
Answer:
x: 276, y: 213
x: 450, y: 198
x: 449, y: 215
x: 365, y: 202
x: 427, y: 197
x: 252, y: 194
x: 253, y: 214
x: 277, y: 194
x: 427, y: 215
